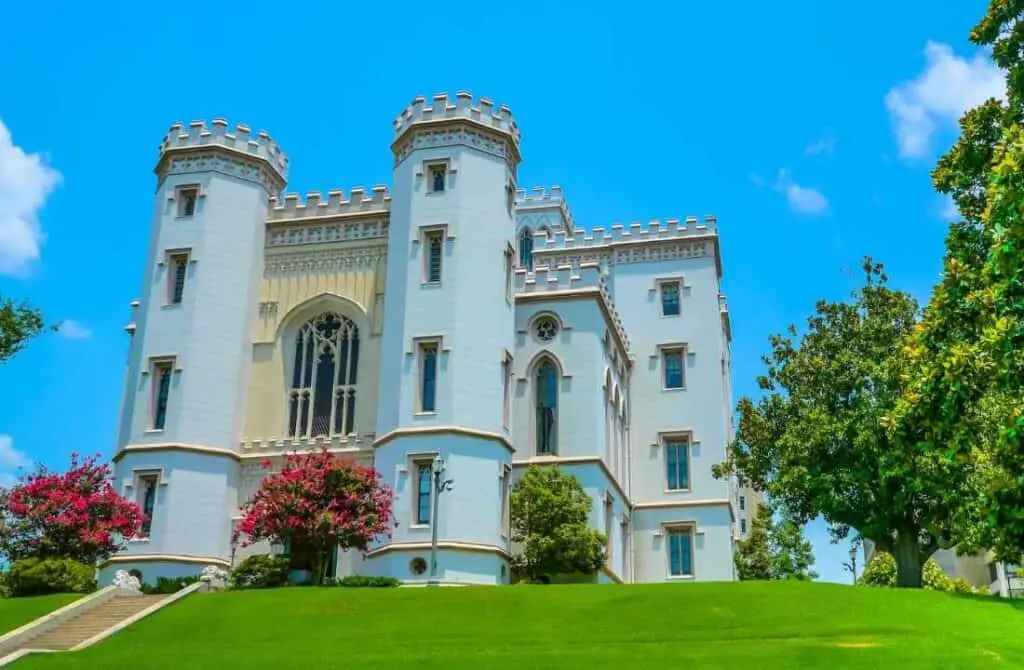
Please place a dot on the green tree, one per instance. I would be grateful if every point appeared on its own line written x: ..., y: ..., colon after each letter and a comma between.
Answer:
x: 550, y: 512
x: 774, y: 550
x: 19, y: 323
x: 792, y: 553
x: 817, y: 441
x: 965, y: 392
x: 753, y: 555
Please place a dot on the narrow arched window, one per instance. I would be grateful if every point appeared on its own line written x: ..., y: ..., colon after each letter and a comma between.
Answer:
x: 526, y: 248
x: 322, y: 399
x: 547, y: 409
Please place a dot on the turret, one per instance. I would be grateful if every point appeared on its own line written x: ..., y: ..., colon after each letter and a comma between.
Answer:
x: 191, y: 347
x: 446, y: 374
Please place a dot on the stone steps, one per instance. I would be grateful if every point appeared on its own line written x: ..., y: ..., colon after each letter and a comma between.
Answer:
x: 84, y: 626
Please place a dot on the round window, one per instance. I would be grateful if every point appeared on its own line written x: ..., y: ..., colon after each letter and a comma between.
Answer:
x: 418, y: 566
x: 545, y: 328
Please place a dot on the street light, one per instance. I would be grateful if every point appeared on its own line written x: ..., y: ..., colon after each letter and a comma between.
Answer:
x: 440, y: 486
x: 852, y: 565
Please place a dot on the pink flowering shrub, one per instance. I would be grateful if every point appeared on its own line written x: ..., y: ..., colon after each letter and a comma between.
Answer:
x: 321, y: 501
x: 75, y: 514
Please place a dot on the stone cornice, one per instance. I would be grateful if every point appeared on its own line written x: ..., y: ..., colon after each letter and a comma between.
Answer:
x: 326, y: 229
x: 174, y: 446
x: 222, y: 160
x: 326, y: 260
x: 453, y: 546
x: 442, y: 430
x: 456, y: 132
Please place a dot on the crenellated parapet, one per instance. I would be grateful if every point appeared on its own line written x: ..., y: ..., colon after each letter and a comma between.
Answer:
x: 197, y: 135
x: 337, y: 203
x: 541, y: 198
x: 674, y: 229
x: 440, y: 122
x: 546, y: 281
x: 442, y: 109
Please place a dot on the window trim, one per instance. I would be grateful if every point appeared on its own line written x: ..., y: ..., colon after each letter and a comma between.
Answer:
x: 505, y: 484
x: 678, y: 284
x: 172, y: 278
x: 353, y: 343
x: 422, y: 345
x: 690, y: 528
x: 538, y: 363
x: 508, y: 376
x: 156, y: 364
x: 664, y: 351
x: 510, y: 270
x: 674, y: 437
x: 525, y: 247
x: 417, y: 462
x: 433, y: 165
x: 179, y: 204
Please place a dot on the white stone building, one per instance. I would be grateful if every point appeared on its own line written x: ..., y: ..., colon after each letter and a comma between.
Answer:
x: 450, y: 315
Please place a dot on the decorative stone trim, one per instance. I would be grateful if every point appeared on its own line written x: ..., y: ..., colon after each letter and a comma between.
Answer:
x: 443, y: 430
x: 174, y: 446
x: 332, y: 260
x: 344, y: 231
x: 169, y: 558
x: 425, y: 546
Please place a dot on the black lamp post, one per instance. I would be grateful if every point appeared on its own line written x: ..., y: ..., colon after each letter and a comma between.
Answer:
x: 852, y: 565
x: 440, y: 486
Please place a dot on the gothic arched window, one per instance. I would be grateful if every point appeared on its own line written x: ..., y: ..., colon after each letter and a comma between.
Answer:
x: 546, y: 398
x: 322, y: 399
x: 526, y: 248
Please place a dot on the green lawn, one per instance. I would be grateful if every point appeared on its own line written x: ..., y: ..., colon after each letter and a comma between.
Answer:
x: 15, y: 612
x: 761, y: 626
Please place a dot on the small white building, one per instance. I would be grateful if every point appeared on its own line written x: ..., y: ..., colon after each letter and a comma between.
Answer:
x: 450, y: 315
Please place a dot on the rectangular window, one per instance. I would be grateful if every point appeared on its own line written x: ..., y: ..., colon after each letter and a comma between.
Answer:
x: 506, y: 391
x: 670, y: 298
x: 188, y: 197
x: 673, y: 360
x: 424, y: 489
x: 677, y: 462
x: 743, y: 526
x: 508, y: 274
x: 680, y: 552
x: 438, y: 176
x: 162, y: 371
x: 743, y: 503
x: 506, y: 487
x: 428, y: 377
x: 432, y: 258
x: 147, y: 501
x: 609, y: 516
x: 178, y: 264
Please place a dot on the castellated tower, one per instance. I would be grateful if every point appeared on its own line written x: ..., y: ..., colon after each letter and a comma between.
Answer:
x: 190, y: 358
x: 449, y: 331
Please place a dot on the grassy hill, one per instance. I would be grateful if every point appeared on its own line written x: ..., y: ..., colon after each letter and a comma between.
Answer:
x: 708, y: 626
x: 16, y: 612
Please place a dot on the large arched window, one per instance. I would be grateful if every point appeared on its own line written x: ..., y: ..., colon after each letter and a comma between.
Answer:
x: 546, y: 398
x: 322, y: 400
x: 526, y: 248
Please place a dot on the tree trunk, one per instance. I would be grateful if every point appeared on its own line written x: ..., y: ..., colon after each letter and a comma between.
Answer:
x: 907, y: 553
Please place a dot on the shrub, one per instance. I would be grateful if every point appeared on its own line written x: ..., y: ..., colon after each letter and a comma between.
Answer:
x: 360, y: 581
x: 261, y: 571
x: 168, y: 585
x: 36, y: 577
x: 881, y: 571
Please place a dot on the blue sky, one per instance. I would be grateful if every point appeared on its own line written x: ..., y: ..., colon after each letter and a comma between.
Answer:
x: 808, y: 127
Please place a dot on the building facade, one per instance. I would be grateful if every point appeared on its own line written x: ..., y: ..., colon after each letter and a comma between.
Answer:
x: 451, y: 317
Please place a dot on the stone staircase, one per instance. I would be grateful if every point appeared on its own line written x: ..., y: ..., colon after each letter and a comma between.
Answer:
x: 67, y: 634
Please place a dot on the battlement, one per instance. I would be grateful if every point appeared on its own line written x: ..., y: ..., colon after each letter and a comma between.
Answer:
x: 243, y: 140
x: 544, y: 279
x: 635, y: 232
x: 441, y: 109
x: 540, y: 196
x: 336, y: 204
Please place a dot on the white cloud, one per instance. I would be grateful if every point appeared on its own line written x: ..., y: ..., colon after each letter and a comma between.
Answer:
x: 26, y: 181
x: 938, y: 97
x: 824, y: 146
x: 802, y: 199
x: 72, y: 330
x: 11, y: 461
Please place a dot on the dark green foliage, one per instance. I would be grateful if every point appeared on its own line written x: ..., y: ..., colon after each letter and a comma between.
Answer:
x: 168, y: 585
x: 19, y: 323
x: 261, y: 571
x: 361, y: 581
x: 36, y: 577
x: 550, y: 521
x: 774, y: 550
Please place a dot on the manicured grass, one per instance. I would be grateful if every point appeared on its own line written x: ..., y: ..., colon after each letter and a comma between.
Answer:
x: 707, y: 626
x: 16, y: 612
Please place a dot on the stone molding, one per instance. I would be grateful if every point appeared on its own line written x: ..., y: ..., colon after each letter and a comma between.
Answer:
x: 329, y: 260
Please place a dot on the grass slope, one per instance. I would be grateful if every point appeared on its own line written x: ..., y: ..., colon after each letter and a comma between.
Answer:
x: 16, y: 612
x: 752, y: 625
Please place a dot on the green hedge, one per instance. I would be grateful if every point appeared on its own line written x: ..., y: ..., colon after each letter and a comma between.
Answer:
x: 358, y: 581
x: 36, y: 577
x: 168, y: 585
x: 261, y: 571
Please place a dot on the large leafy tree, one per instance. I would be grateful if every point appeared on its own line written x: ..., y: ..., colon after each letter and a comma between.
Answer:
x: 19, y: 323
x: 817, y: 442
x: 318, y: 501
x: 75, y: 514
x: 550, y: 512
x: 965, y: 390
